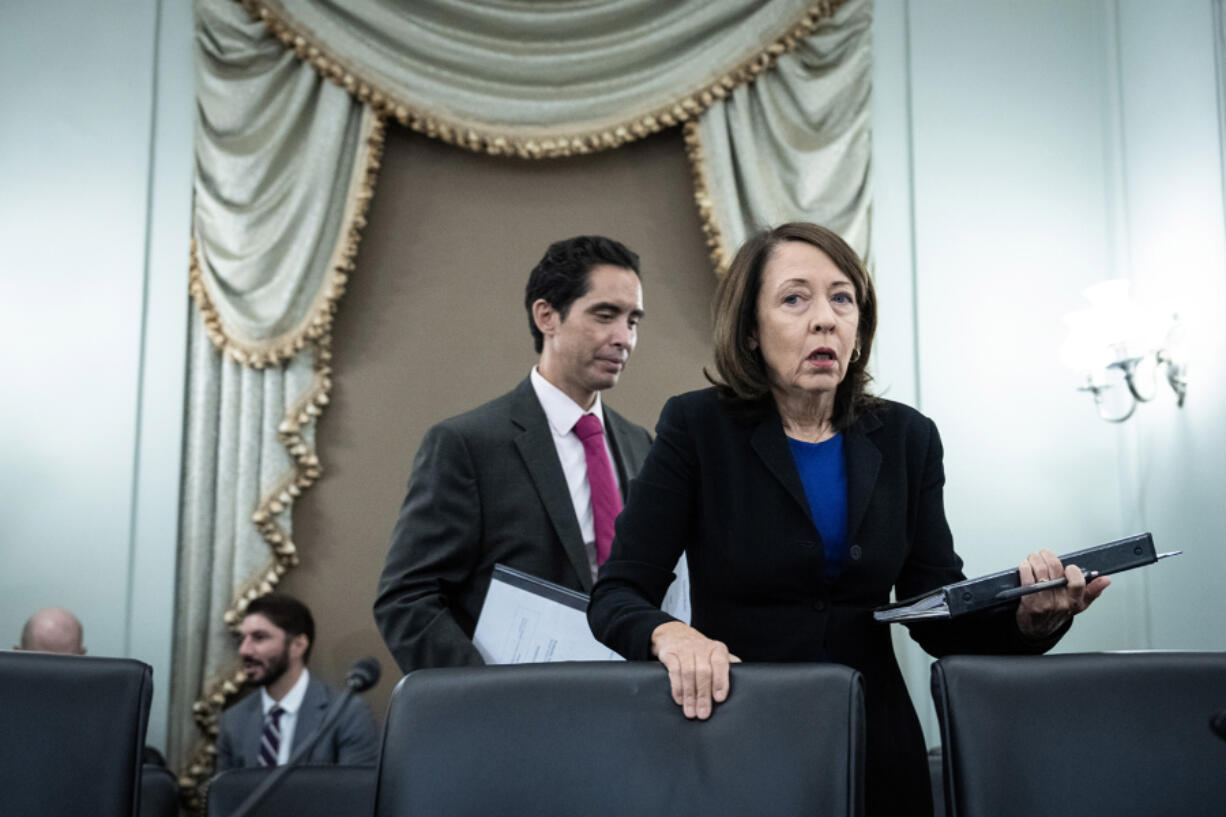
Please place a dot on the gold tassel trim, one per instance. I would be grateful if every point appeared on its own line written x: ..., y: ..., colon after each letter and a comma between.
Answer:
x: 482, y: 139
x: 305, y: 472
x: 718, y: 253
x: 316, y: 333
x: 194, y: 778
x: 318, y: 322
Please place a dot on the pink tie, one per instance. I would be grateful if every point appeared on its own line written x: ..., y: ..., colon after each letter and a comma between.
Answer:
x: 606, y: 501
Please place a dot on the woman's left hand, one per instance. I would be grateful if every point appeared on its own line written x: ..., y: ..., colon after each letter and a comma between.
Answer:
x: 1041, y: 614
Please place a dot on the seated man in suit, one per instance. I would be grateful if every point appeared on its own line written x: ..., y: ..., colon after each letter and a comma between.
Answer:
x: 53, y: 630
x: 264, y: 728
x: 532, y: 480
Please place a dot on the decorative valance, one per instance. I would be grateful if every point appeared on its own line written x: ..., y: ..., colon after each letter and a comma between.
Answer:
x: 541, y: 79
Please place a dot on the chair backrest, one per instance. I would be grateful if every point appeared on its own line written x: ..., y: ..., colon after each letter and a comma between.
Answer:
x: 606, y: 738
x: 159, y: 792
x: 305, y: 791
x: 1103, y: 733
x: 71, y: 733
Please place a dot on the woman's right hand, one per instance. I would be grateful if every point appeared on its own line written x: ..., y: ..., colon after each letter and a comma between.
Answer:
x: 697, y: 667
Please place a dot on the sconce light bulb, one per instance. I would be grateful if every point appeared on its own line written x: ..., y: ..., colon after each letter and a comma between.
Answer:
x: 1134, y: 339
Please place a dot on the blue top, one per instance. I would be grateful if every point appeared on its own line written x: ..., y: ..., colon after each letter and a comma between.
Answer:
x: 824, y: 476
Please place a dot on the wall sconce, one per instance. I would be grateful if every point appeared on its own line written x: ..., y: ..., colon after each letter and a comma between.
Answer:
x: 1117, y: 342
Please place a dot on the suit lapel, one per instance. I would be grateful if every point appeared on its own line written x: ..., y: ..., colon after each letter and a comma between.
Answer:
x: 254, y: 715
x: 863, y: 460
x: 625, y: 459
x: 311, y: 713
x: 861, y: 456
x: 535, y: 444
x: 771, y: 446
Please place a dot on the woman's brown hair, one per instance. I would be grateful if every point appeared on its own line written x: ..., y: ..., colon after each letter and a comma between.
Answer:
x: 742, y: 371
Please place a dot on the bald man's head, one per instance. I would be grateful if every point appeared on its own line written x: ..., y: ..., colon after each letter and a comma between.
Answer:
x: 53, y: 630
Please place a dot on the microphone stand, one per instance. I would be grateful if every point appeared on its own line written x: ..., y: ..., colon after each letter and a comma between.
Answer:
x: 356, y: 683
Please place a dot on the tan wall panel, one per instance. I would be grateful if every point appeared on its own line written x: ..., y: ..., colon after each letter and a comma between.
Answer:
x: 433, y: 324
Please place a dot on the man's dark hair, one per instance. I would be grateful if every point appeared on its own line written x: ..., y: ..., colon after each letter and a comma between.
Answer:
x: 561, y: 277
x: 287, y: 613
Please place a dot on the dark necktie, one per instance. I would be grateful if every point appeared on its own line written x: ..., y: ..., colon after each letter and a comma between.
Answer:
x: 606, y: 501
x: 270, y: 740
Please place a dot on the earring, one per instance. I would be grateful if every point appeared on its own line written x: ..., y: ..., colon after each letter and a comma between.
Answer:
x: 855, y: 354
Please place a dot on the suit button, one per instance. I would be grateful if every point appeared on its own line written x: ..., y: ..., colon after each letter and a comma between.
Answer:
x: 854, y: 552
x: 819, y: 605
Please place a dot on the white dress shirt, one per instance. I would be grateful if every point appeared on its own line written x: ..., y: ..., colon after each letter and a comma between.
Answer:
x: 562, y: 413
x: 291, y: 703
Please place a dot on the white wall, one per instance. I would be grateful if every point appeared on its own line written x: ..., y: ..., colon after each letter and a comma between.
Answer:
x: 1046, y: 146
x: 95, y: 157
x: 1174, y: 209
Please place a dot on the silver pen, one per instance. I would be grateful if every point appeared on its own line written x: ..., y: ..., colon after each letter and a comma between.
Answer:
x: 1039, y: 587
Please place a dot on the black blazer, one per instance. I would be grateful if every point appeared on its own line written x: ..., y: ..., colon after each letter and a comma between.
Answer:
x: 487, y: 487
x: 722, y: 486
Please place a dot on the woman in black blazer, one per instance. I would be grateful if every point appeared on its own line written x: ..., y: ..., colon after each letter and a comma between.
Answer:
x: 800, y: 501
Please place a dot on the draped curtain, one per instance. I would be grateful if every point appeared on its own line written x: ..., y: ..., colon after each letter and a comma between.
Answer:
x: 293, y: 97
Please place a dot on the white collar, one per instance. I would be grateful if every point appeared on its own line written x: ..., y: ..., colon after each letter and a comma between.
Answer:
x: 292, y: 700
x: 561, y: 411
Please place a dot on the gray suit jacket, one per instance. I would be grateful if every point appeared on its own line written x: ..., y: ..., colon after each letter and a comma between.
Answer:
x: 487, y: 487
x: 354, y: 741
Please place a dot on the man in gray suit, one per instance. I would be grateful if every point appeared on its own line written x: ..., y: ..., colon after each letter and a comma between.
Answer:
x: 508, y: 482
x: 266, y: 727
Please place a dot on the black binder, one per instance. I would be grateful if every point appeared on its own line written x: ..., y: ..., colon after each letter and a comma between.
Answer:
x: 996, y: 589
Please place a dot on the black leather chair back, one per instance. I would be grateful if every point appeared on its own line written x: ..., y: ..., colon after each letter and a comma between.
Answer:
x: 602, y: 739
x: 1103, y: 733
x: 71, y: 733
x: 306, y: 791
x: 159, y: 792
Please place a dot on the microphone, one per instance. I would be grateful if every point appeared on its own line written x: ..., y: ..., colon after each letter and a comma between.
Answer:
x: 1218, y: 724
x: 363, y: 675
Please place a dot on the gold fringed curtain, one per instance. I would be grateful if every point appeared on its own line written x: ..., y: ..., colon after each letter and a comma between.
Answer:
x: 285, y: 168
x: 293, y: 96
x: 542, y: 80
x: 795, y: 144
